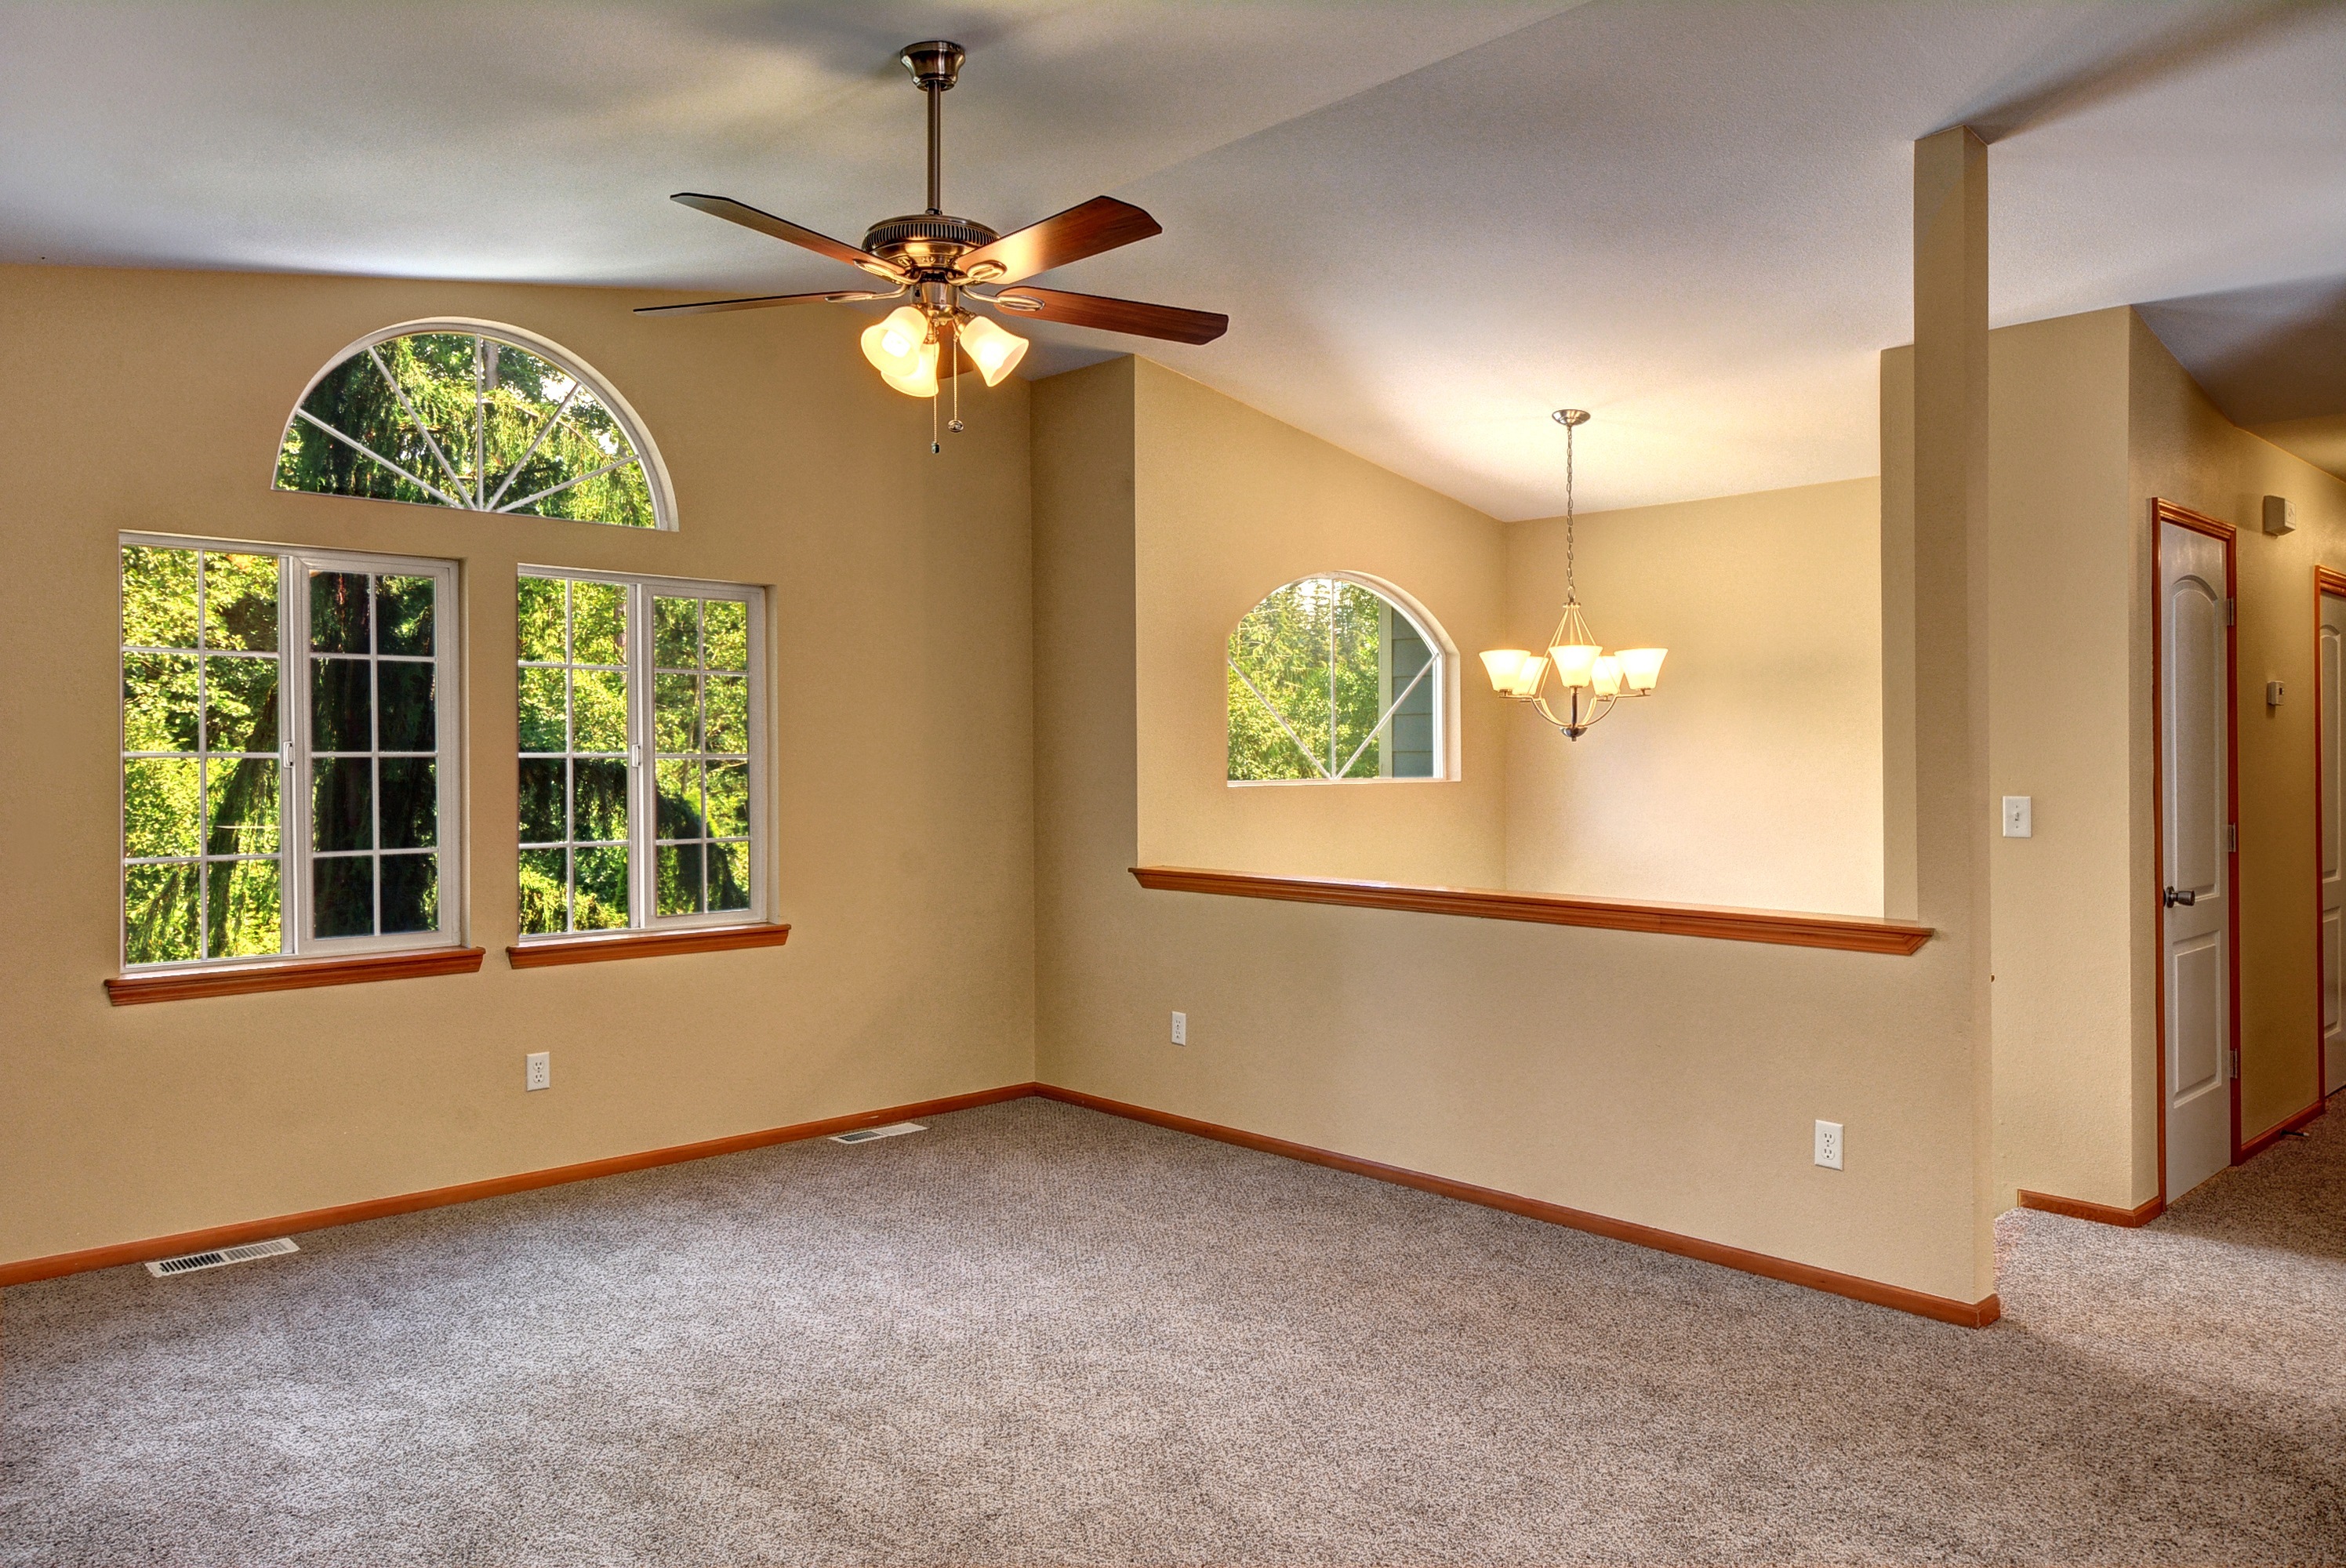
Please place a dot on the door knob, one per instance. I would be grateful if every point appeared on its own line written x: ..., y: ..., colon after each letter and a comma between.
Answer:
x: 2186, y: 898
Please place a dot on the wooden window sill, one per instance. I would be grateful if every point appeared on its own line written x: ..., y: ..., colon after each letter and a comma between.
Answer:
x: 293, y: 974
x: 642, y: 945
x: 1847, y: 933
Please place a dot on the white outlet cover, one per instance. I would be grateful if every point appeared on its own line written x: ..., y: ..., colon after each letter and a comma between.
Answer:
x: 537, y: 1070
x: 1181, y: 1029
x: 1830, y: 1145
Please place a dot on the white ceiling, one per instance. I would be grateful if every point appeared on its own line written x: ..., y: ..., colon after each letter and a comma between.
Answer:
x: 1430, y: 223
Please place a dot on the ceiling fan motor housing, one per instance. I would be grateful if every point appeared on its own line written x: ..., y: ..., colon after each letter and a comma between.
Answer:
x: 926, y: 242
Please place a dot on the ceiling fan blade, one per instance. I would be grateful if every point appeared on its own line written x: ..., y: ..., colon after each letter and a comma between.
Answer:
x: 1169, y: 321
x: 758, y: 303
x: 1103, y: 223
x: 783, y: 229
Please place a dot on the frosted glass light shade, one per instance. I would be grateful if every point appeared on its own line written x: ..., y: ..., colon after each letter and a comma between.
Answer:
x: 1573, y: 664
x: 894, y: 343
x: 922, y: 382
x: 995, y: 351
x: 1605, y: 676
x: 1641, y: 667
x: 1504, y: 664
x: 1527, y: 679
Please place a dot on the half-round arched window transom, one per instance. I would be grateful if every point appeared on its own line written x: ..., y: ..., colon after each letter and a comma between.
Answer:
x: 1330, y: 680
x: 475, y: 416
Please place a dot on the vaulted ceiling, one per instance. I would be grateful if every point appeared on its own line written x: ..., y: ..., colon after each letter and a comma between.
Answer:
x: 1430, y: 223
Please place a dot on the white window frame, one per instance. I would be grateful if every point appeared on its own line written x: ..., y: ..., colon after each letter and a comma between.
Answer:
x: 1443, y: 676
x: 648, y: 454
x: 643, y: 780
x: 297, y: 856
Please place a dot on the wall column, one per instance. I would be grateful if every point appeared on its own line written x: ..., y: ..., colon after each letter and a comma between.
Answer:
x: 1952, y: 807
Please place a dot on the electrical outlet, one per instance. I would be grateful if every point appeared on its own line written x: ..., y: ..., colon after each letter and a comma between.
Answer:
x: 1829, y: 1145
x: 539, y: 1073
x: 1181, y: 1029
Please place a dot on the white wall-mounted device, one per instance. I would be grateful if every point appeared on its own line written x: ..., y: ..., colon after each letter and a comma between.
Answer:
x: 2019, y: 816
x: 2280, y: 514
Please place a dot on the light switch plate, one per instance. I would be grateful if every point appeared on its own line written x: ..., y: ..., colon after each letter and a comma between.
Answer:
x: 2019, y: 816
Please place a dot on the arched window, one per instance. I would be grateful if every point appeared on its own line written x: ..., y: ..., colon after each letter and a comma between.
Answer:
x: 475, y: 416
x: 1330, y: 678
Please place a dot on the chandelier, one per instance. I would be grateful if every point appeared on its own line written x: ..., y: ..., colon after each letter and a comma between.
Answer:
x: 1589, y: 680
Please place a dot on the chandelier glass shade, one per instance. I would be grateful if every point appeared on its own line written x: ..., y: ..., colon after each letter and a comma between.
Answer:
x: 1586, y: 680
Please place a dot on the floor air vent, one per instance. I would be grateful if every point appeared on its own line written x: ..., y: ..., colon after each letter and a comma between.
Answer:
x: 189, y: 1262
x: 865, y: 1135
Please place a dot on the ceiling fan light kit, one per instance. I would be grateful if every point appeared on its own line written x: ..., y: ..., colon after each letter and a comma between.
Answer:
x: 1589, y: 680
x: 939, y: 260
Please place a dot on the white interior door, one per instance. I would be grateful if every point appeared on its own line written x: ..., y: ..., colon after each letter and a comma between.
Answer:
x: 2334, y: 832
x: 2195, y: 717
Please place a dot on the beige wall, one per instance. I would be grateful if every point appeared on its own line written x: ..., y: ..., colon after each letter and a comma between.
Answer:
x: 1754, y: 776
x: 2072, y: 1008
x: 1659, y: 1079
x: 2092, y: 420
x: 1235, y: 505
x: 904, y: 850
x: 2183, y: 450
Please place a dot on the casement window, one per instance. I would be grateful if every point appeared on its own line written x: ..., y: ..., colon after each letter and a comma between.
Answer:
x: 289, y: 753
x: 641, y: 705
x: 1331, y: 681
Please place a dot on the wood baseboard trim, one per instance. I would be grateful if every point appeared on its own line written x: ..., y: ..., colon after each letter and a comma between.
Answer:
x: 293, y: 975
x: 1966, y: 1314
x: 1969, y: 1315
x: 1845, y: 933
x: 642, y: 945
x: 2279, y: 1131
x: 2100, y: 1213
x: 63, y: 1262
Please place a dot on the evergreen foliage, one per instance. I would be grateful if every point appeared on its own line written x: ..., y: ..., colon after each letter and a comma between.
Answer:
x: 467, y: 420
x: 1310, y: 651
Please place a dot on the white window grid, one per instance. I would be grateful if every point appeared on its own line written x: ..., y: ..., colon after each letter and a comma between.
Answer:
x: 642, y: 755
x: 441, y: 480
x: 295, y: 856
x: 1434, y: 673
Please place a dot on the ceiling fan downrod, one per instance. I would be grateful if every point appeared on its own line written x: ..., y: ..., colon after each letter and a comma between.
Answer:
x: 935, y: 66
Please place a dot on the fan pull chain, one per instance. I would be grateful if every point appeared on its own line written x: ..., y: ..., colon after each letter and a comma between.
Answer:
x: 953, y: 364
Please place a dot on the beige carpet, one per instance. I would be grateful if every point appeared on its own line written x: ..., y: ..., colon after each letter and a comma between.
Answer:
x: 1035, y: 1334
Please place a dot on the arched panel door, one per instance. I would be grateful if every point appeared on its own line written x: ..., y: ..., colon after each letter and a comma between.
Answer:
x: 2196, y: 817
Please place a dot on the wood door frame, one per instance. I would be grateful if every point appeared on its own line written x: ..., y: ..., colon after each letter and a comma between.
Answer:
x: 2326, y: 583
x: 2163, y: 512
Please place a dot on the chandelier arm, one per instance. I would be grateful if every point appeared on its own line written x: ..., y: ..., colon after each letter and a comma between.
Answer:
x: 1598, y: 707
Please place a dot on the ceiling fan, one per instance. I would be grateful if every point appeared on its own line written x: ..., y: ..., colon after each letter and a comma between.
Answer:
x: 940, y: 260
